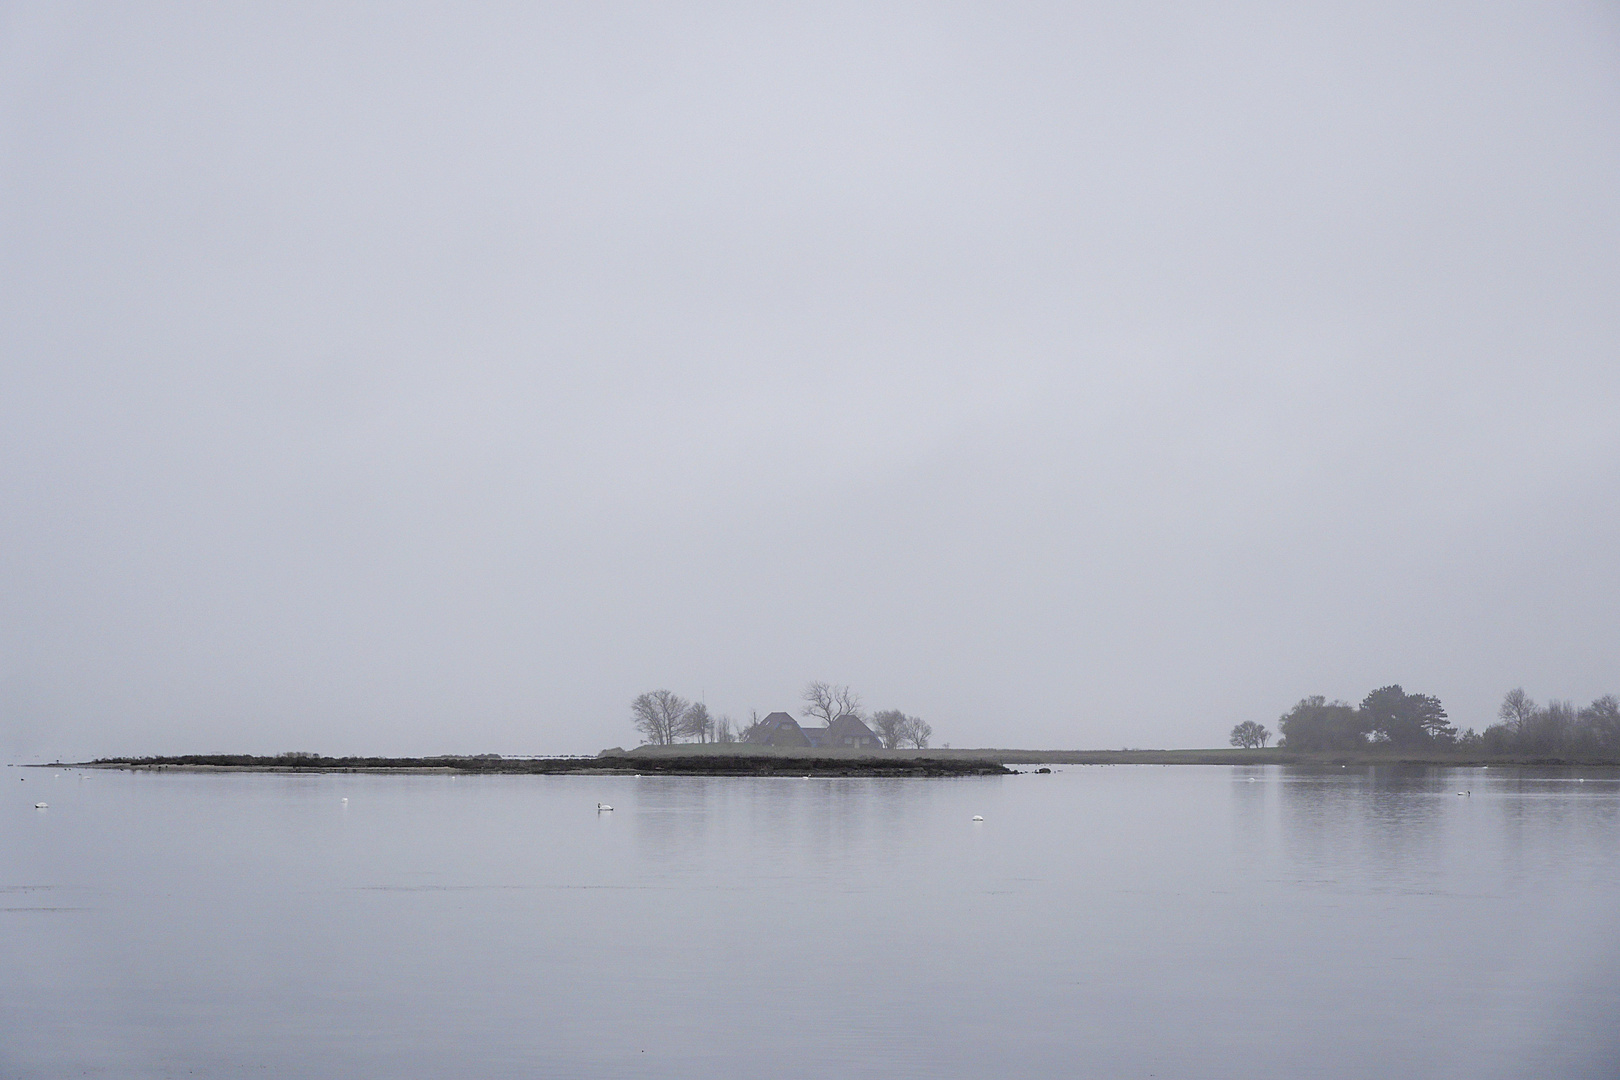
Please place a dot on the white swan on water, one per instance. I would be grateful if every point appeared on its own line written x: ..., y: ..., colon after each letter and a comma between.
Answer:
x: 978, y: 817
x: 601, y: 806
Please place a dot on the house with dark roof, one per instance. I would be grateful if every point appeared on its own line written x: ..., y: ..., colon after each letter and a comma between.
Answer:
x: 845, y: 733
x: 848, y: 732
x: 777, y: 729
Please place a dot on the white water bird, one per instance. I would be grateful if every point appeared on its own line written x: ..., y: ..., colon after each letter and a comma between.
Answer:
x: 978, y: 817
x: 601, y: 806
x: 1465, y: 792
x: 42, y: 806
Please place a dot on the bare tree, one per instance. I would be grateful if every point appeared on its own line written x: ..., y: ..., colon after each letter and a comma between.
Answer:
x: 1250, y: 735
x: 696, y: 723
x: 1600, y: 722
x: 827, y: 703
x: 916, y: 732
x: 658, y: 715
x: 725, y: 729
x: 890, y: 726
x: 1518, y: 710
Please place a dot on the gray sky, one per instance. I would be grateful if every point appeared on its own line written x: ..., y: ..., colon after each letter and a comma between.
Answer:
x: 411, y: 378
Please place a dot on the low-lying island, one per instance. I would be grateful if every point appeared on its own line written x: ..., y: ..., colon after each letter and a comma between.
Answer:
x: 682, y: 761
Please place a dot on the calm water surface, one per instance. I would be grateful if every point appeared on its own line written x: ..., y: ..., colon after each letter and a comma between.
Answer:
x: 1100, y: 922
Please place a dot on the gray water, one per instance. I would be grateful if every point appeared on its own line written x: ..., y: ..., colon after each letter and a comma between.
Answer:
x: 1099, y: 922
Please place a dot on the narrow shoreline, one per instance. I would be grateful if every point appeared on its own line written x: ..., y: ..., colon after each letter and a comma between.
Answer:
x: 614, y: 764
x: 729, y: 760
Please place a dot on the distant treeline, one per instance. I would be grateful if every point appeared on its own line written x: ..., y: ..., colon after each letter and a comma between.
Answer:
x: 664, y: 719
x: 1556, y: 729
x: 1390, y: 717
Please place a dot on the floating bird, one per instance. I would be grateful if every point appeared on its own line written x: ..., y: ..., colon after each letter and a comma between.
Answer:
x: 345, y: 800
x: 978, y: 817
x: 1251, y: 779
x: 1465, y: 792
x: 602, y: 806
x: 42, y: 806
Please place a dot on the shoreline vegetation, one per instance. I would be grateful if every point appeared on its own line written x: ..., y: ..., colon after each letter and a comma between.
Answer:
x: 738, y: 760
x: 1389, y: 728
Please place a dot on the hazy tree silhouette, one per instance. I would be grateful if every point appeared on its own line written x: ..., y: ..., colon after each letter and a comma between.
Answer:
x: 825, y: 702
x: 1556, y: 729
x: 1316, y: 724
x: 890, y: 726
x: 1250, y: 735
x: 659, y: 716
x: 696, y: 723
x: 1407, y: 721
x: 916, y: 732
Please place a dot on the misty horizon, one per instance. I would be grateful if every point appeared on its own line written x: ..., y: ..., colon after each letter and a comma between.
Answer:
x: 438, y: 381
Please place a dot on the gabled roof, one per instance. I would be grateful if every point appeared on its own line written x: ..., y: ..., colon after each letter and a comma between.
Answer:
x: 778, y: 729
x: 849, y: 730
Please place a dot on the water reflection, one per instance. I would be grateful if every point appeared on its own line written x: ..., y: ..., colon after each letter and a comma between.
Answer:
x: 1208, y: 922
